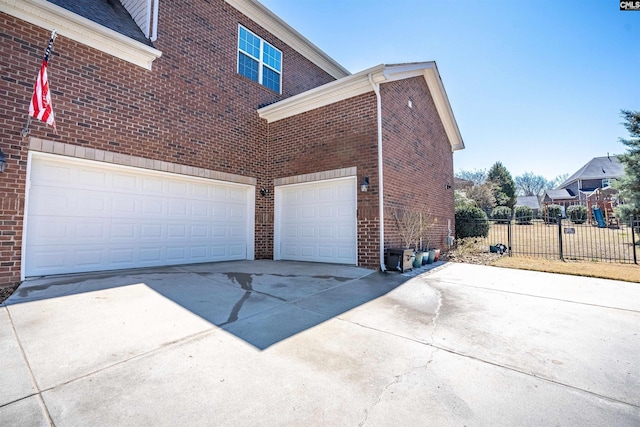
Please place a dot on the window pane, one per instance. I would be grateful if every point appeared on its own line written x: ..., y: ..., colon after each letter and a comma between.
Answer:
x: 247, y: 67
x: 272, y: 57
x: 271, y: 79
x: 249, y: 43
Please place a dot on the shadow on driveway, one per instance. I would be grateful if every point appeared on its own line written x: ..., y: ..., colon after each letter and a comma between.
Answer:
x: 262, y: 302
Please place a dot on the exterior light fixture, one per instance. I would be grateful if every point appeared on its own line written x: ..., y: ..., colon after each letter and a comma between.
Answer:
x: 364, y: 186
x: 447, y: 187
x: 3, y: 161
x: 264, y: 192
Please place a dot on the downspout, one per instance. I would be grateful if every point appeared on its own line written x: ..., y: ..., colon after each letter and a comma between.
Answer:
x: 376, y: 89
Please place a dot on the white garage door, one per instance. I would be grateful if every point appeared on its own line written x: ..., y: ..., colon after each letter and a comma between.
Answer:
x: 316, y: 222
x: 90, y: 216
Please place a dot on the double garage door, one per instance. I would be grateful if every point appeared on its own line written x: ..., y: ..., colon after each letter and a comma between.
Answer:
x: 317, y: 221
x: 91, y: 216
x: 87, y: 216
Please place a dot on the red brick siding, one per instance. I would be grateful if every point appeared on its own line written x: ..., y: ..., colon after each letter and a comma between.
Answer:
x: 192, y: 108
x: 337, y: 136
x: 418, y: 161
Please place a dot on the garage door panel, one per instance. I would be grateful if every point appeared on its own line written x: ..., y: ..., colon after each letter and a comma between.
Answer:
x: 60, y: 174
x: 103, y: 217
x: 92, y: 178
x: 124, y: 183
x: 316, y: 222
x: 49, y: 202
x: 325, y: 232
x: 152, y: 186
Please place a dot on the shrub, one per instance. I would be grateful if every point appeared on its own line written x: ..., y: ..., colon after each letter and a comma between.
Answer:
x: 624, y: 212
x: 524, y: 214
x: 552, y: 212
x: 471, y: 221
x: 578, y: 214
x: 501, y: 214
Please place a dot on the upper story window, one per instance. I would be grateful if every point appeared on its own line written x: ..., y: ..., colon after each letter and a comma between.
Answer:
x: 606, y: 182
x: 258, y: 60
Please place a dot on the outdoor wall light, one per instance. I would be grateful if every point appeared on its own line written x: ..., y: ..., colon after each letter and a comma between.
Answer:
x: 264, y: 192
x: 447, y: 187
x: 3, y: 161
x: 364, y: 186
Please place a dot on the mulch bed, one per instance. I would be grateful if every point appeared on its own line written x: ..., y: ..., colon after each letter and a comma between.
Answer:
x: 5, y: 292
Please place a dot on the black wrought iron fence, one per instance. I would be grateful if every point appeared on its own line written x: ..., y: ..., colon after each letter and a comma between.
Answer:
x: 558, y: 239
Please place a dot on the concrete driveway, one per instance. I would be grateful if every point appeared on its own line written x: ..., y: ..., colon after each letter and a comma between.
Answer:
x: 284, y: 343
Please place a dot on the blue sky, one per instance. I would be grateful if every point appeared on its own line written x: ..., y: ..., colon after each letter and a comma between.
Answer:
x: 537, y: 85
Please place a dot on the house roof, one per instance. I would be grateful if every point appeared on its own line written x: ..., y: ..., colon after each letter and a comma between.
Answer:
x: 597, y: 168
x: 108, y: 13
x: 530, y: 201
x: 460, y: 184
x: 102, y: 25
x: 83, y: 30
x: 559, y: 194
x: 363, y: 82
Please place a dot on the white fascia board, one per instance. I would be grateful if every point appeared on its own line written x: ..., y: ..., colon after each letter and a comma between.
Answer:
x: 330, y: 93
x: 82, y: 30
x: 276, y: 26
x: 359, y: 83
x: 440, y: 98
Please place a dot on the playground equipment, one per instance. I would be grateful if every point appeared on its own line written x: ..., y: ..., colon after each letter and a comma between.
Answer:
x: 598, y: 217
x: 601, y: 203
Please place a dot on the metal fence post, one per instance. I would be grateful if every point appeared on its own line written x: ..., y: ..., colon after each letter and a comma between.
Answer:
x: 560, y: 237
x: 633, y: 240
x: 509, y: 237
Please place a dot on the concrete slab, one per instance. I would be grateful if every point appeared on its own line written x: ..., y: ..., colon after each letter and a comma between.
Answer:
x: 296, y: 343
x: 341, y: 299
x: 587, y: 290
x: 408, y: 311
x: 328, y: 375
x: 15, y: 382
x: 457, y: 391
x: 68, y: 337
x: 25, y: 412
x: 592, y: 347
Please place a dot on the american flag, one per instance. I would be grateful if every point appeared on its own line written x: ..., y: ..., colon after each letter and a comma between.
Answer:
x: 40, y: 106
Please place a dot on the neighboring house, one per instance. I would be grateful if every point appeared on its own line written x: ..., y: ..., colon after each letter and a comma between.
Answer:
x: 462, y: 184
x: 560, y: 197
x: 599, y: 172
x: 530, y: 201
x: 208, y: 131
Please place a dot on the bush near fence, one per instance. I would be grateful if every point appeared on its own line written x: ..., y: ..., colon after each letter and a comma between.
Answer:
x: 560, y: 240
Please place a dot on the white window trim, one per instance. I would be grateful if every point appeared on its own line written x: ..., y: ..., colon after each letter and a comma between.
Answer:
x: 261, y: 62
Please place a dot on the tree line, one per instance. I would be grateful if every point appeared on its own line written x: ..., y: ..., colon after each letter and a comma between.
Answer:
x: 495, y: 188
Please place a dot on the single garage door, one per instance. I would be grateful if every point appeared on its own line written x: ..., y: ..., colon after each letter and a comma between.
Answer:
x: 90, y: 216
x: 316, y: 221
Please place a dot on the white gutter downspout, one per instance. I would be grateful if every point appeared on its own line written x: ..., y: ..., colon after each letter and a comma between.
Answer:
x: 376, y: 89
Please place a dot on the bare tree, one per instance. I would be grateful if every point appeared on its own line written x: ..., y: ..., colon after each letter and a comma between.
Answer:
x: 530, y: 184
x: 477, y: 176
x: 555, y: 182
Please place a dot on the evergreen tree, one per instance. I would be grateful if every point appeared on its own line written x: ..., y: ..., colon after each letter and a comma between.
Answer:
x: 629, y: 185
x: 505, y: 192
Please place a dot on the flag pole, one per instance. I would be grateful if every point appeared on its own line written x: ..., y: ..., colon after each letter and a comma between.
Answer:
x: 47, y: 53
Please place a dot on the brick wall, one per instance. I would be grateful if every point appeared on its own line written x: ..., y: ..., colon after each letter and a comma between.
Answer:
x: 337, y: 136
x: 418, y: 161
x: 191, y: 109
